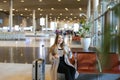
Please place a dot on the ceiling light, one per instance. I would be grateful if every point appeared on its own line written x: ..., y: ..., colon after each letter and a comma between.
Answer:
x: 21, y: 14
x: 80, y: 9
x: 40, y: 14
x: 58, y: 17
x: 60, y: 13
x: 22, y: 1
x: 50, y: 13
x: 78, y: 0
x: 1, y: 9
x: 38, y: 8
x: 16, y: 10
x: 66, y: 9
x: 71, y: 14
x: 27, y: 17
x: 75, y: 17
x: 41, y: 9
x: 30, y: 14
x: 13, y: 9
x: 4, y: 1
x: 40, y: 0
x: 26, y: 9
x: 52, y: 8
x: 59, y: 0
x: 66, y: 17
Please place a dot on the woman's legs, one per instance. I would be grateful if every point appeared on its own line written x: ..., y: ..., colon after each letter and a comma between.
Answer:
x: 69, y: 71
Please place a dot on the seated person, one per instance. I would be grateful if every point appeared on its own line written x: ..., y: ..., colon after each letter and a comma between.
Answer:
x: 59, y: 57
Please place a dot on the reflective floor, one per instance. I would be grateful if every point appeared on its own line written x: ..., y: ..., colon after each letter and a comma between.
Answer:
x: 16, y: 58
x: 25, y: 51
x: 18, y: 54
x: 20, y: 51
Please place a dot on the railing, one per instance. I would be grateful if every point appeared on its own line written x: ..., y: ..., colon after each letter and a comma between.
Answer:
x: 12, y: 36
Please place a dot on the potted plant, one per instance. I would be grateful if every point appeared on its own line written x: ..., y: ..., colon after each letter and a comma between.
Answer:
x: 84, y: 33
x: 84, y: 30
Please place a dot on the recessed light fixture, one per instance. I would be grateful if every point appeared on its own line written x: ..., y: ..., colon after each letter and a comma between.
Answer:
x: 75, y: 17
x: 66, y: 9
x: 58, y: 17
x: 80, y: 9
x: 26, y: 9
x: 40, y: 0
x: 71, y: 13
x: 21, y: 14
x: 52, y: 8
x: 60, y: 13
x: 30, y: 14
x: 22, y: 1
x: 78, y: 0
x: 40, y: 14
x: 50, y: 13
x: 1, y: 9
x: 13, y: 9
x: 4, y: 1
x: 39, y: 9
x: 59, y: 0
x: 66, y: 17
x: 16, y: 10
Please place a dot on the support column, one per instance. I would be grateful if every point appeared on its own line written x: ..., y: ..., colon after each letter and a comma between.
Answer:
x: 46, y: 22
x: 89, y: 9
x: 34, y: 23
x: 95, y: 40
x: 11, y: 16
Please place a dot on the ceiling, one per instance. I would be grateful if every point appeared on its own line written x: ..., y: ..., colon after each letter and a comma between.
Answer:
x: 55, y: 9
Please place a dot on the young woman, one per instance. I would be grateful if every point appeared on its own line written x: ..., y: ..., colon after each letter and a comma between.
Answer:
x: 59, y: 57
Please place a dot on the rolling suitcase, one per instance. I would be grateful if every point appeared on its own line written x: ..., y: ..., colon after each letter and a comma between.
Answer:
x: 38, y: 69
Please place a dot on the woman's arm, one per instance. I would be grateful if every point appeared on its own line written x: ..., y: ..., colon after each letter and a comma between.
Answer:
x: 68, y: 51
x: 70, y: 54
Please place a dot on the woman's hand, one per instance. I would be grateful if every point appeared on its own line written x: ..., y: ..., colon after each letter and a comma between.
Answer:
x: 56, y: 56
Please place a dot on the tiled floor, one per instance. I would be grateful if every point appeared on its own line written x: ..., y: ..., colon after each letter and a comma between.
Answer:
x: 11, y: 71
x: 16, y: 58
x: 14, y: 71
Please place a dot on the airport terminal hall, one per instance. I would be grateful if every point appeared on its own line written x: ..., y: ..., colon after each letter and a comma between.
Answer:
x: 59, y: 39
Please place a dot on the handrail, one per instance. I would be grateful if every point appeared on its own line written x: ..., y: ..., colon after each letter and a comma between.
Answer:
x: 109, y: 9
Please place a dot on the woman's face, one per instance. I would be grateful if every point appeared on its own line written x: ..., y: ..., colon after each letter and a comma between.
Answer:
x: 60, y: 39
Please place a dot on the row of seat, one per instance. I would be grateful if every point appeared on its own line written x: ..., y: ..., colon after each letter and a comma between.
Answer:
x: 90, y: 63
x: 12, y: 36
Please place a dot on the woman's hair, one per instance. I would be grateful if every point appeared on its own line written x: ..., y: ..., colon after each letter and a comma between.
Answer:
x: 56, y: 40
x: 53, y: 47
